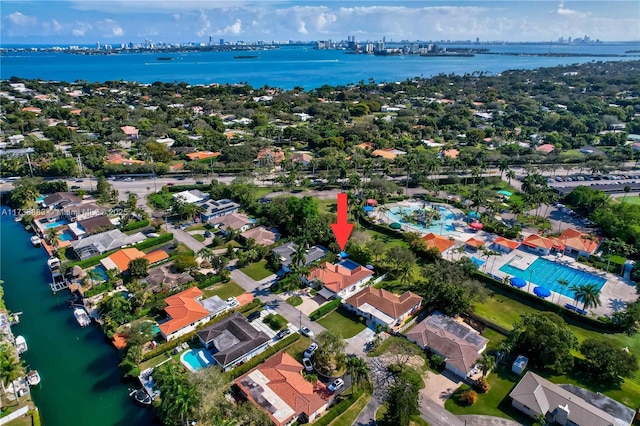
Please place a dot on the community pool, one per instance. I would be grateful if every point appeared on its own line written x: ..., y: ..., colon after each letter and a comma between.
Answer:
x: 417, y: 216
x: 349, y: 264
x: 546, y: 273
x: 197, y: 359
x: 56, y: 224
x: 65, y: 236
x: 99, y: 270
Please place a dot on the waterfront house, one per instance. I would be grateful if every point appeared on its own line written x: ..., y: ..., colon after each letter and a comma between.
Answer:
x: 438, y: 242
x: 504, y: 245
x: 578, y: 243
x: 60, y: 200
x: 278, y: 387
x: 284, y: 253
x: 120, y: 259
x: 382, y: 307
x: 233, y: 341
x: 234, y: 221
x: 191, y: 197
x: 130, y: 131
x: 542, y: 245
x: 103, y: 242
x: 217, y: 208
x: 185, y: 313
x: 261, y: 235
x: 342, y: 279
x: 93, y: 225
x: 566, y: 404
x: 460, y: 345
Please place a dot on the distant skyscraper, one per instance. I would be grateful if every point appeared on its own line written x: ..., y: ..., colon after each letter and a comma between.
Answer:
x: 98, y: 45
x: 477, y: 39
x: 210, y: 40
x: 221, y: 42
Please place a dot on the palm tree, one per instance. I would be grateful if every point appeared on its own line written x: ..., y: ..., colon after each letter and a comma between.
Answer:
x: 588, y: 294
x: 206, y: 254
x: 11, y: 368
x: 562, y: 283
x: 298, y: 257
x: 91, y: 276
x: 488, y: 363
x: 358, y: 369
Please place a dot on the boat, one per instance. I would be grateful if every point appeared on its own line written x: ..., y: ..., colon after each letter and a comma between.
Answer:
x: 245, y: 57
x: 21, y: 345
x: 35, y: 240
x: 141, y: 397
x: 164, y: 58
x: 82, y: 317
x: 33, y: 378
x: 53, y: 263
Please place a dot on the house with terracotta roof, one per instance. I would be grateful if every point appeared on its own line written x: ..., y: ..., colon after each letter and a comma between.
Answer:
x: 278, y: 387
x: 261, y: 235
x: 389, y: 153
x: 268, y: 157
x: 34, y: 110
x: 120, y: 159
x: 120, y: 259
x: 542, y: 245
x: 130, y: 131
x: 439, y: 242
x: 185, y: 313
x: 451, y: 153
x: 460, y: 345
x: 578, y: 243
x: 474, y: 243
x: 546, y: 148
x: 382, y: 307
x: 504, y: 245
x: 341, y: 279
x: 202, y: 155
x: 303, y: 158
x: 233, y: 341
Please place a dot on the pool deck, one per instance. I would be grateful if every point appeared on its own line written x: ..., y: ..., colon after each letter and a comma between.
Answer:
x: 614, y: 295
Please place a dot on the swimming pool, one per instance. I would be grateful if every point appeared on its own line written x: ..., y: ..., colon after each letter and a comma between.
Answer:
x: 547, y: 273
x: 349, y: 264
x: 55, y: 224
x: 101, y: 272
x: 65, y: 236
x: 197, y: 359
x: 418, y: 212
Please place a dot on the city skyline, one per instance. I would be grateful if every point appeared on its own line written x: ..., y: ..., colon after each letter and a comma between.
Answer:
x: 119, y: 21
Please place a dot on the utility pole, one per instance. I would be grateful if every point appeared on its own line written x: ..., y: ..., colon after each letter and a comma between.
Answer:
x: 29, y: 162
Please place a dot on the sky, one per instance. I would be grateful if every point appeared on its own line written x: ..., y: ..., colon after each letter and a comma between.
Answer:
x: 123, y: 21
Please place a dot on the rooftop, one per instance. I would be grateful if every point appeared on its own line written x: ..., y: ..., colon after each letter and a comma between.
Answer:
x: 336, y: 277
x: 184, y: 309
x: 386, y: 302
x: 261, y: 235
x: 286, y: 251
x: 438, y: 241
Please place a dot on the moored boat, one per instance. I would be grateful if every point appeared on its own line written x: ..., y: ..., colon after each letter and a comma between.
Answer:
x: 82, y: 317
x: 53, y: 263
x: 33, y: 378
x: 35, y: 240
x: 21, y: 345
x: 141, y: 397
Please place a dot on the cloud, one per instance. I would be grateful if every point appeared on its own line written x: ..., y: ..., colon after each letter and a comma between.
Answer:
x: 204, y: 24
x: 233, y: 29
x: 563, y: 11
x: 81, y: 29
x: 19, y: 19
x: 109, y: 28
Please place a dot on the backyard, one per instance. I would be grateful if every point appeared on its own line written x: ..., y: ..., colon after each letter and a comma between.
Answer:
x: 223, y: 290
x: 342, y: 323
x: 257, y: 271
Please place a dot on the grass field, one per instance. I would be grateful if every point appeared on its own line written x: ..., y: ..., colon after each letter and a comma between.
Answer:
x: 348, y: 417
x: 294, y: 300
x: 633, y: 199
x: 257, y: 271
x: 224, y: 290
x: 341, y: 324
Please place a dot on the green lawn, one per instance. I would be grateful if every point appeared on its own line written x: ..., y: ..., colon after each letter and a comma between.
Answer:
x: 415, y: 420
x: 388, y: 240
x: 199, y: 237
x: 341, y: 324
x: 294, y: 300
x: 348, y: 417
x: 257, y: 271
x: 196, y: 227
x: 296, y: 350
x: 224, y: 290
x: 502, y: 310
x: 633, y: 199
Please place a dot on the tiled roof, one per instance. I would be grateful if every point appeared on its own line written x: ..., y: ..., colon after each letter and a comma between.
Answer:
x: 336, y: 277
x: 578, y: 240
x: 384, y: 301
x: 95, y: 223
x: 438, y: 241
x: 201, y: 155
x: 278, y: 387
x: 474, y: 242
x: 231, y: 221
x: 184, y: 309
x: 261, y: 235
x: 510, y: 244
x: 156, y: 256
x: 535, y: 240
x: 121, y: 258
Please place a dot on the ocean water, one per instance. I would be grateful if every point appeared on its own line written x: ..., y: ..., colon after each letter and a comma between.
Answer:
x: 286, y: 67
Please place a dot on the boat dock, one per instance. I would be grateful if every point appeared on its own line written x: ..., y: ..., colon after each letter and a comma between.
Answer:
x: 56, y: 286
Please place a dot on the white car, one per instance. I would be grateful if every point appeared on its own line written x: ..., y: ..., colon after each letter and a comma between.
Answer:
x: 310, y: 350
x: 337, y: 384
x: 305, y: 331
x: 307, y: 364
x: 232, y: 302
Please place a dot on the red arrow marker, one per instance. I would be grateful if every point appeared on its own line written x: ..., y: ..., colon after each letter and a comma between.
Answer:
x: 342, y: 229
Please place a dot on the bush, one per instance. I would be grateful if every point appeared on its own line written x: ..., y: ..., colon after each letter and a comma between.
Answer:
x: 468, y: 397
x: 338, y: 409
x: 150, y: 242
x: 437, y: 361
x: 97, y: 289
x: 135, y: 225
x: 324, y: 309
x: 275, y: 321
x: 483, y: 385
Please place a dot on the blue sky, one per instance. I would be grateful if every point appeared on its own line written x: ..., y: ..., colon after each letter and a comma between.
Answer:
x: 123, y: 21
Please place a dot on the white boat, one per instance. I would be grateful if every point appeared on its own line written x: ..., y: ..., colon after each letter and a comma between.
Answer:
x: 33, y: 378
x: 82, y: 317
x: 53, y: 263
x: 35, y: 240
x: 21, y: 345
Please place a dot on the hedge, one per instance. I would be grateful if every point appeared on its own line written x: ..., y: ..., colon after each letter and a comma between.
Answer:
x: 259, y: 359
x: 135, y: 225
x: 339, y: 408
x: 209, y: 281
x: 325, y: 309
x: 150, y: 242
x: 180, y: 188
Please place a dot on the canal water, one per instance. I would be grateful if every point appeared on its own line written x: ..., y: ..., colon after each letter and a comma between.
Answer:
x: 81, y: 383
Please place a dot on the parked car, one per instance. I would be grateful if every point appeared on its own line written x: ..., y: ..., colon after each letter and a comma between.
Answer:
x: 199, y: 182
x: 153, y: 235
x: 310, y: 350
x: 208, y: 234
x: 283, y: 333
x: 305, y: 331
x: 170, y: 184
x: 181, y: 178
x: 232, y: 302
x: 254, y: 315
x: 307, y: 364
x: 79, y: 180
x: 337, y: 384
x: 128, y: 179
x: 75, y: 187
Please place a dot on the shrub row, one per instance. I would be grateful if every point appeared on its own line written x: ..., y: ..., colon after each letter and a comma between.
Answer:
x: 324, y: 309
x: 135, y: 225
x: 338, y: 409
x: 180, y: 188
x: 150, y: 242
x: 257, y: 360
x: 209, y: 281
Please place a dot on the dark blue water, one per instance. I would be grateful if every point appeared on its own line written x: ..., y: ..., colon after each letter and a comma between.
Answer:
x: 286, y: 67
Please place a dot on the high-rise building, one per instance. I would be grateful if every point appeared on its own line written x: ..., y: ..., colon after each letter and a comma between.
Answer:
x: 221, y: 42
x: 98, y: 45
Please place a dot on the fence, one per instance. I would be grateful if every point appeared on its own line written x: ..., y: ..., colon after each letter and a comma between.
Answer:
x: 12, y: 416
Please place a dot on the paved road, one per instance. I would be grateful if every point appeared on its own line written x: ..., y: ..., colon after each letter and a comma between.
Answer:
x: 435, y: 415
x: 367, y: 416
x: 185, y: 238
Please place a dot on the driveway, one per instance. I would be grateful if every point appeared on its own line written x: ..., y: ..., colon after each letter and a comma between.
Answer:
x: 439, y: 387
x: 309, y: 303
x: 185, y: 238
x: 359, y: 341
